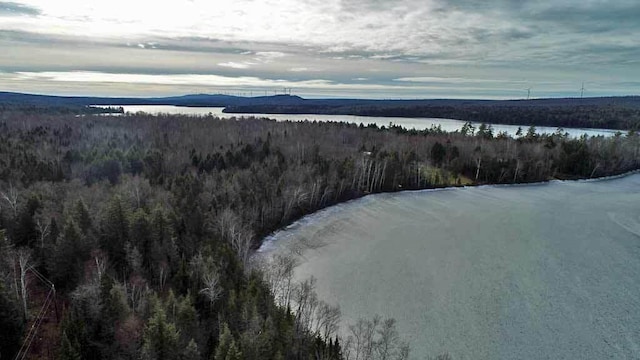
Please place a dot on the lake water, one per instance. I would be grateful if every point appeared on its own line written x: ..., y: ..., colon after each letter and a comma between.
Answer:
x: 546, y: 271
x: 409, y: 123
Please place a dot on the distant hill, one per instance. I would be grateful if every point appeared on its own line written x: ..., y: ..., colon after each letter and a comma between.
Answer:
x: 218, y: 100
x: 195, y: 100
x: 597, y: 112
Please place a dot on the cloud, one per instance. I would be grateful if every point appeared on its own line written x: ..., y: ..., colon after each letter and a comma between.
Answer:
x: 400, y: 45
x: 260, y: 57
x: 122, y: 84
x: 270, y: 55
x: 177, y: 79
x: 590, y: 16
x: 236, y: 65
x: 451, y: 80
x: 16, y: 9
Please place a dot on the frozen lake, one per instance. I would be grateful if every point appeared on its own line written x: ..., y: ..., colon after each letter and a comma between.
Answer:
x: 547, y: 271
x: 409, y: 123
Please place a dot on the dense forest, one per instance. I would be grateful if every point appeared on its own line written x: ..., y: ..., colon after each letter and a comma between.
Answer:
x: 572, y: 114
x: 36, y: 108
x: 130, y: 237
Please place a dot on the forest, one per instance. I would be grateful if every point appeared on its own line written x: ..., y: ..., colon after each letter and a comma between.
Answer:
x: 602, y: 115
x: 129, y: 237
x: 619, y: 113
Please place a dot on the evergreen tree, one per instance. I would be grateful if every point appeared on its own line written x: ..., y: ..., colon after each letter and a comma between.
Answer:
x: 114, y: 302
x: 74, y: 328
x: 186, y: 317
x: 82, y: 217
x: 160, y: 339
x: 54, y: 232
x: 65, y: 263
x: 227, y: 348
x: 140, y: 236
x: 25, y: 233
x: 191, y: 351
x: 438, y: 153
x: 531, y: 133
x: 68, y: 350
x: 163, y: 247
x: 115, y: 232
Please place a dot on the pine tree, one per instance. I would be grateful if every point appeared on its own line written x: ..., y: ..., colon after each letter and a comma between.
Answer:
x: 140, y: 235
x: 82, y: 217
x: 25, y: 232
x: 54, y: 232
x: 68, y: 350
x: 187, y: 316
x: 191, y: 351
x: 163, y: 252
x: 74, y: 327
x: 160, y: 338
x: 65, y: 263
x: 227, y: 348
x: 114, y: 301
x: 115, y: 232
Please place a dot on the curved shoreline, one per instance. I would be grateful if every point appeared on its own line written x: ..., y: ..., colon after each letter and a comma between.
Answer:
x: 268, y: 239
x: 495, y: 271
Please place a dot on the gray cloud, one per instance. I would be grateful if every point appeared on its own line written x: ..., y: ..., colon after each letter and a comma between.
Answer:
x: 590, y: 16
x: 496, y: 47
x: 16, y: 9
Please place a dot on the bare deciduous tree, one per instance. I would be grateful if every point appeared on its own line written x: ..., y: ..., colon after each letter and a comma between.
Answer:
x: 136, y: 189
x: 306, y: 301
x: 100, y: 263
x: 136, y: 289
x: 204, y: 270
x: 387, y: 344
x: 295, y: 198
x: 278, y: 272
x: 375, y: 339
x: 212, y: 289
x: 44, y: 226
x: 23, y: 257
x: 11, y: 197
x: 163, y: 272
x: 240, y: 238
x: 327, y: 320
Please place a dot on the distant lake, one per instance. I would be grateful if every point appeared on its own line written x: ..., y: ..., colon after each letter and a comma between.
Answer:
x: 409, y: 123
x: 544, y: 271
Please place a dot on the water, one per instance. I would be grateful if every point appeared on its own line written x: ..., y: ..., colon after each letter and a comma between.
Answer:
x: 409, y: 123
x: 547, y: 271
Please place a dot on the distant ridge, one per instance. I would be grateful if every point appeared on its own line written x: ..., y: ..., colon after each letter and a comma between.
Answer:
x: 594, y: 112
x: 195, y: 100
x: 219, y: 100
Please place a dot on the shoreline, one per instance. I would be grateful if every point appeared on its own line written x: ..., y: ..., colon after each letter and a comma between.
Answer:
x: 265, y: 240
x: 400, y: 116
x: 458, y: 272
x: 267, y: 115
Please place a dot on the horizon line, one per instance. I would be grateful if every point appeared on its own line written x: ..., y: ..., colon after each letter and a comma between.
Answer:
x: 317, y: 98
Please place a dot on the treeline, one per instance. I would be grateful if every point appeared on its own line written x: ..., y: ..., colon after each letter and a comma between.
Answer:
x: 603, y: 116
x: 17, y: 109
x: 146, y: 224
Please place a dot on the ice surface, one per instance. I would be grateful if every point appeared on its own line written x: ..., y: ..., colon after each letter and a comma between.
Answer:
x: 549, y: 271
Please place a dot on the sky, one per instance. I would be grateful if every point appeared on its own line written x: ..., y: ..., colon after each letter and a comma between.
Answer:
x: 383, y: 49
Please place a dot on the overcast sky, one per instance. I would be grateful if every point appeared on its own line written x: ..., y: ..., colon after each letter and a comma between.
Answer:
x: 321, y: 48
